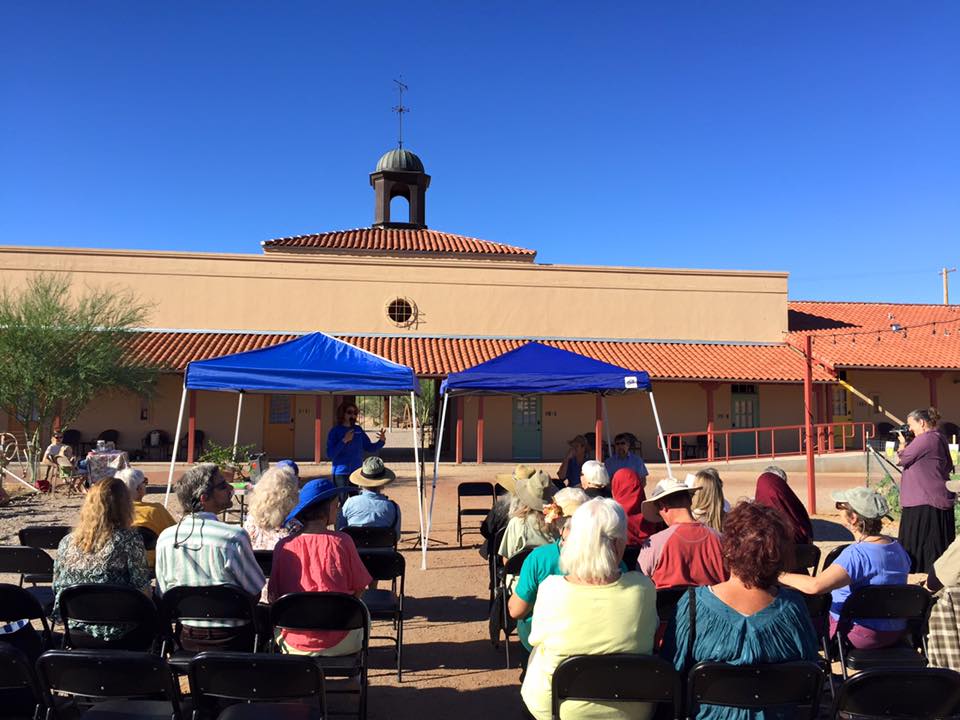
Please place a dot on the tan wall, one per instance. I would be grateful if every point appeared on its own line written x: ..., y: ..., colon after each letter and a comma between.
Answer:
x: 455, y: 297
x: 901, y: 391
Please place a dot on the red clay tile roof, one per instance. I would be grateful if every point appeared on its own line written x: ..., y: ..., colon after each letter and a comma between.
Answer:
x: 860, y: 334
x: 441, y: 356
x: 394, y: 241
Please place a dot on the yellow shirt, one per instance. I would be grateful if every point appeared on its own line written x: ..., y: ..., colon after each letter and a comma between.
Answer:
x: 153, y: 516
x: 573, y: 619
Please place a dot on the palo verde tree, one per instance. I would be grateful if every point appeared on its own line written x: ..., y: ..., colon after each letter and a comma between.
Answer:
x: 60, y: 348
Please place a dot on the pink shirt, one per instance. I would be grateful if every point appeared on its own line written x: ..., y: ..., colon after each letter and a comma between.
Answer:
x: 316, y: 562
x: 682, y: 555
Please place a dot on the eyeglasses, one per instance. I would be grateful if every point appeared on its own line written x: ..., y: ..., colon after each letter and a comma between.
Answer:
x: 222, y: 485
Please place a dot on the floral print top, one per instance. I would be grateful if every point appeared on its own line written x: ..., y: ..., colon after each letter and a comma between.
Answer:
x: 121, y: 561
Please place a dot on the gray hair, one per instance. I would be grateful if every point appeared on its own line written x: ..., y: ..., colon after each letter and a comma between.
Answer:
x: 132, y: 478
x: 274, y: 496
x: 776, y: 470
x: 598, y: 536
x: 594, y: 474
x: 195, y: 483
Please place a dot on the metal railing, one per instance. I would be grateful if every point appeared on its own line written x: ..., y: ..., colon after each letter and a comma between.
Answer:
x: 763, y: 442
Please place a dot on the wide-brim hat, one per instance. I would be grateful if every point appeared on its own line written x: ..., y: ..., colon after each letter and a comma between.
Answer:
x: 664, y: 489
x: 509, y: 480
x: 315, y: 491
x: 373, y: 473
x: 535, y: 491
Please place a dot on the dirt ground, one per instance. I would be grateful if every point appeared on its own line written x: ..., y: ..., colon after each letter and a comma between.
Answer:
x: 450, y: 666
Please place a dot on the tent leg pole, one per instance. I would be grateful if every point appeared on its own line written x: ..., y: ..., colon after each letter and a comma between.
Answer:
x: 176, y: 443
x: 433, y: 489
x: 606, y: 425
x: 236, y: 429
x: 663, y: 447
x: 416, y: 458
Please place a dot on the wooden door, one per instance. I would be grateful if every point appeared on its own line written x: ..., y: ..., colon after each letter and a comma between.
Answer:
x: 279, y: 413
x: 744, y: 413
x: 526, y: 428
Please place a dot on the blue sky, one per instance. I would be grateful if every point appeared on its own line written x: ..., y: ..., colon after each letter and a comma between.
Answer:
x: 818, y: 138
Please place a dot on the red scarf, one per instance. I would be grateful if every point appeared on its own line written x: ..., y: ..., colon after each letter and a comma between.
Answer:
x: 628, y: 491
x: 773, y: 491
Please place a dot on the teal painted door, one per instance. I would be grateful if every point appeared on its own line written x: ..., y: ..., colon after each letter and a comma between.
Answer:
x: 526, y: 428
x: 744, y: 413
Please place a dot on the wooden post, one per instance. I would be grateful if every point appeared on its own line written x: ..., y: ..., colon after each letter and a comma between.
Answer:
x: 192, y: 427
x: 709, y: 388
x: 598, y: 431
x: 458, y: 406
x: 318, y: 430
x: 480, y: 430
x: 808, y: 424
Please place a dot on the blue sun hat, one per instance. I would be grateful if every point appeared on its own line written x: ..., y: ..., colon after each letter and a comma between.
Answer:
x: 315, y: 491
x: 290, y: 464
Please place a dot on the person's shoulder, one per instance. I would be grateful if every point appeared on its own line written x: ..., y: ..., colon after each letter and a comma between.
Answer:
x: 788, y: 597
x: 637, y: 581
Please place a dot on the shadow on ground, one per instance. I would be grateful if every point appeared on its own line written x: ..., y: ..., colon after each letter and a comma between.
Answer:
x: 830, y: 531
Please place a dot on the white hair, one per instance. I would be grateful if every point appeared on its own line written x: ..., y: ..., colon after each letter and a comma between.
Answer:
x: 598, y: 536
x: 132, y: 478
x: 776, y: 470
x: 571, y: 496
x: 274, y: 496
x: 594, y: 474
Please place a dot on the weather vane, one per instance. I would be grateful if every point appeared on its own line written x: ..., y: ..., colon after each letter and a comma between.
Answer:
x: 400, y: 110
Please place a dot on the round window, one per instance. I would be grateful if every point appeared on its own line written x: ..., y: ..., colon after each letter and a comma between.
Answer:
x: 402, y: 312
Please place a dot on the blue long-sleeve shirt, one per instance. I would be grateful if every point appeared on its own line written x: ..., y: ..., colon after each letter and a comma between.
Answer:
x: 347, y: 457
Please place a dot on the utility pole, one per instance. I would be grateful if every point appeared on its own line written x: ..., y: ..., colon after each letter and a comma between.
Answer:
x: 946, y: 292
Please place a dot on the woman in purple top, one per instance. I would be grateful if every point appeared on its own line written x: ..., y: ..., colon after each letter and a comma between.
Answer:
x: 927, y: 525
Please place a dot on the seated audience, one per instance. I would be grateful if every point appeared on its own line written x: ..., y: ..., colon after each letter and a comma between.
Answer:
x: 318, y: 559
x: 709, y: 505
x: 943, y: 639
x: 499, y: 516
x: 628, y: 490
x: 569, y: 471
x: 544, y: 561
x: 56, y: 448
x: 527, y: 526
x: 773, y: 491
x: 274, y: 496
x: 874, y: 559
x: 593, y: 609
x: 746, y: 619
x: 624, y: 458
x: 153, y: 516
x: 687, y: 552
x: 946, y: 569
x: 102, y: 549
x: 201, y: 550
x: 594, y: 479
x: 371, y: 508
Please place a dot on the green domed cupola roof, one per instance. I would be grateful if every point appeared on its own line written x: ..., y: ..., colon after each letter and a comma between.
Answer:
x: 402, y: 160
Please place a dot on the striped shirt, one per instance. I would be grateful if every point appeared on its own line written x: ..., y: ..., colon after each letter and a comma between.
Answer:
x: 200, y: 550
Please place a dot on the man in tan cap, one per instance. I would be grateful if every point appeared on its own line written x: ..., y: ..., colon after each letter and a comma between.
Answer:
x: 371, y: 508
x: 687, y: 552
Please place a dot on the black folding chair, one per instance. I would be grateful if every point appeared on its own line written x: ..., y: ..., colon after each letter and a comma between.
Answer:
x: 630, y: 555
x: 806, y: 559
x: 259, y: 686
x: 115, y: 684
x: 621, y: 678
x: 667, y: 599
x: 472, y: 489
x: 511, y: 567
x: 206, y: 603
x: 833, y: 555
x: 899, y: 694
x: 103, y: 604
x: 34, y: 566
x: 45, y: 537
x: 19, y: 687
x: 909, y: 603
x: 387, y: 604
x: 17, y: 603
x: 372, y: 538
x: 265, y: 561
x: 329, y: 611
x: 755, y: 687
x: 494, y: 562
x: 818, y: 608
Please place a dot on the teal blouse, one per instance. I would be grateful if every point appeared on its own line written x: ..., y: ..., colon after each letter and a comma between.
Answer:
x: 781, y: 632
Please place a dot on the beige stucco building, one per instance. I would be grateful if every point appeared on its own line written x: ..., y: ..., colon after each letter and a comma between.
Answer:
x: 721, y: 346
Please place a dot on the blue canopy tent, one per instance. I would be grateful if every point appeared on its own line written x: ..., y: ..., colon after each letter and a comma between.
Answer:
x: 537, y: 369
x: 311, y: 364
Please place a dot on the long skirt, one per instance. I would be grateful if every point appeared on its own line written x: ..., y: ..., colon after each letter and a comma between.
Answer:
x: 925, y: 532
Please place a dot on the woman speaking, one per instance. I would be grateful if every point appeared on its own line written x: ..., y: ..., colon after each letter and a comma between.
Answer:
x: 347, y: 442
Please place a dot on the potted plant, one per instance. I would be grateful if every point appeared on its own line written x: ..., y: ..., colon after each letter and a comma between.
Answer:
x: 231, y: 459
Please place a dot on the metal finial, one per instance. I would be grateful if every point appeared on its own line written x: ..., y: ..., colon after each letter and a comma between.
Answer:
x: 400, y: 110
